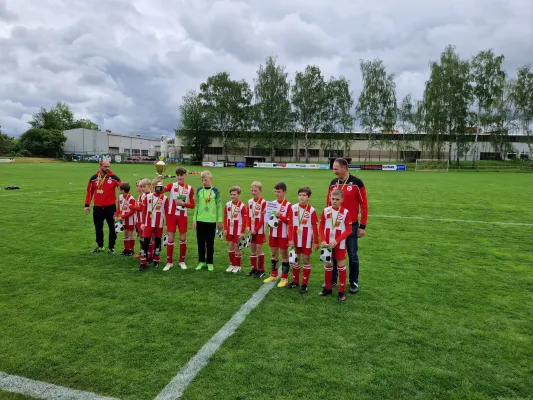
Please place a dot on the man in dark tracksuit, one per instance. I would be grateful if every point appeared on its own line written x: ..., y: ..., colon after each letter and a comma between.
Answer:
x: 354, y: 200
x: 101, y: 189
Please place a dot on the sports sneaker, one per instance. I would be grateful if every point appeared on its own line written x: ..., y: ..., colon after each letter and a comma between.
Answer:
x: 168, y: 266
x: 252, y: 273
x: 304, y: 289
x: 332, y: 285
x: 142, y: 267
x: 236, y: 269
x: 271, y: 279
x: 111, y: 251
x: 283, y: 283
x: 183, y: 265
x: 325, y: 292
x: 129, y: 253
x: 97, y: 250
x: 293, y: 285
x: 200, y: 266
x: 354, y: 288
x: 229, y: 269
x: 124, y: 253
x: 156, y: 265
x: 259, y: 274
x: 342, y: 297
x: 210, y: 267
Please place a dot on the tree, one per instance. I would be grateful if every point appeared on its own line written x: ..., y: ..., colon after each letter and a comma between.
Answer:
x: 447, y: 99
x: 272, y: 109
x: 522, y: 96
x: 228, y: 104
x: 61, y: 118
x: 504, y: 120
x: 339, y: 103
x: 43, y: 142
x: 310, y: 104
x: 376, y: 108
x: 6, y: 143
x: 195, y: 126
x: 408, y: 113
x: 488, y: 84
x: 85, y: 124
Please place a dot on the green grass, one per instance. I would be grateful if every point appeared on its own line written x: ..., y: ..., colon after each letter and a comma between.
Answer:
x: 445, y: 308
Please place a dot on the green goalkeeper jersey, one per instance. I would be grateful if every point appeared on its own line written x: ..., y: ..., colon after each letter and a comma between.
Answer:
x: 208, y: 205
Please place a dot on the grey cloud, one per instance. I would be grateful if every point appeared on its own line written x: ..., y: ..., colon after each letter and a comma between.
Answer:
x: 5, y: 14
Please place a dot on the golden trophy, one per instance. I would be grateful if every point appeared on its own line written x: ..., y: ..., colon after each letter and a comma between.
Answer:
x: 160, y: 166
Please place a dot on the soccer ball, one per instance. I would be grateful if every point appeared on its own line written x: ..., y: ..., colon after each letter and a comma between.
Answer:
x: 244, y: 242
x: 220, y: 234
x: 165, y: 240
x: 293, y: 258
x: 119, y: 227
x: 325, y: 255
x: 273, y: 221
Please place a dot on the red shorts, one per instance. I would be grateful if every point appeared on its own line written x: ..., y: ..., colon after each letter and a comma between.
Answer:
x: 179, y: 221
x: 149, y: 232
x: 303, y: 250
x: 339, y: 254
x: 129, y: 227
x: 258, y: 238
x: 232, y: 238
x: 281, y: 243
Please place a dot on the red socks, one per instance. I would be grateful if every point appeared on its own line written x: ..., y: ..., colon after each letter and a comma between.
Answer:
x: 307, y: 272
x: 253, y: 261
x: 296, y: 273
x: 170, y: 252
x: 328, y: 274
x: 261, y: 264
x: 183, y: 250
x: 237, y: 260
x: 342, y: 278
x: 231, y: 255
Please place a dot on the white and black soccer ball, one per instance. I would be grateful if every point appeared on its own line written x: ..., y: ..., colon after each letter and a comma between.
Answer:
x: 273, y: 221
x: 220, y: 234
x: 119, y: 226
x: 244, y: 242
x: 165, y: 240
x: 293, y: 258
x: 325, y: 255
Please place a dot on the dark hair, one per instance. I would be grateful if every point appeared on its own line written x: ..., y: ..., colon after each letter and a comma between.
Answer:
x: 342, y: 162
x: 181, y: 171
x: 125, y: 186
x: 281, y: 186
x: 305, y: 190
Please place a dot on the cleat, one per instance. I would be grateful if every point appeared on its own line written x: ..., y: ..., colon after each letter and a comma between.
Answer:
x: 304, y: 289
x: 236, y: 269
x: 142, y: 267
x: 252, y: 273
x: 293, y: 285
x: 325, y: 292
x: 354, y: 288
x: 210, y: 267
x: 97, y: 250
x: 168, y: 266
x: 342, y: 297
x: 229, y: 269
x: 124, y: 253
x: 334, y: 284
x: 183, y: 265
x: 259, y: 274
x: 283, y: 283
x: 156, y: 264
x: 271, y: 279
x: 129, y: 253
x: 200, y: 266
x: 111, y: 251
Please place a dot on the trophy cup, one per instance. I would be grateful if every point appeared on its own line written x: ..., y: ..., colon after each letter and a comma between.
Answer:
x: 160, y: 166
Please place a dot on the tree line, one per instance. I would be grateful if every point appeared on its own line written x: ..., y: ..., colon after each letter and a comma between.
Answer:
x: 45, y: 136
x: 462, y: 98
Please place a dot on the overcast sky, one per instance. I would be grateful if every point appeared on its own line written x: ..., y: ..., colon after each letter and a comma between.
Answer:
x: 126, y: 64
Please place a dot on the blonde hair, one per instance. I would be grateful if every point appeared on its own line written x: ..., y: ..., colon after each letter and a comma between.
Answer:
x: 235, y: 189
x: 206, y: 174
x: 257, y: 185
x: 337, y: 192
x: 144, y: 182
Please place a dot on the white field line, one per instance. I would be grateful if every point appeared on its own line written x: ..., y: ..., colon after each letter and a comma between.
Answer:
x: 468, y: 221
x: 43, y: 390
x: 186, y: 375
x: 29, y: 193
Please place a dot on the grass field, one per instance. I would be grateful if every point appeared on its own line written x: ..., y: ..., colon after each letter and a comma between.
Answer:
x: 445, y: 308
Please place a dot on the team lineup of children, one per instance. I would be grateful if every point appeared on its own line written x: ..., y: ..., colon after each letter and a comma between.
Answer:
x: 294, y: 227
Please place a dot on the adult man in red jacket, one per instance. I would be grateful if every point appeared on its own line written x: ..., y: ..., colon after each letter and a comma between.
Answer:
x: 354, y: 200
x: 102, y: 189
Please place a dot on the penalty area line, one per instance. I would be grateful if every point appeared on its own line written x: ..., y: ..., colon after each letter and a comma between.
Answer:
x: 186, y: 375
x: 43, y: 390
x: 450, y: 220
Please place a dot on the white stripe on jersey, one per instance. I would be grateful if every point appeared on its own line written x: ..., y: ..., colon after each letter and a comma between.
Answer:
x: 302, y: 225
x: 256, y: 209
x: 234, y: 218
x: 155, y: 210
x: 337, y: 218
x: 175, y: 192
x: 281, y: 231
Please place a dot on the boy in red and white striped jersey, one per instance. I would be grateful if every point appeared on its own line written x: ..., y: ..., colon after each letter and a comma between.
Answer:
x: 256, y: 226
x: 235, y: 218
x: 154, y: 212
x: 126, y: 213
x: 278, y: 238
x: 138, y: 214
x: 303, y: 236
x: 335, y: 227
x: 181, y: 197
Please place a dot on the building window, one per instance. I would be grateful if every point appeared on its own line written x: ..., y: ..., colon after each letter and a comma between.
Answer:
x: 334, y: 153
x: 135, y: 152
x: 144, y: 153
x: 126, y: 152
x: 284, y: 152
x: 259, y: 152
x: 216, y: 151
x: 310, y: 152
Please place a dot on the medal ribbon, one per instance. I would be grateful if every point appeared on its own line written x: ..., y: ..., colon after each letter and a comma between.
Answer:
x: 338, y: 183
x: 101, y: 181
x: 210, y: 194
x: 336, y: 219
x: 300, y: 218
x: 156, y: 204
